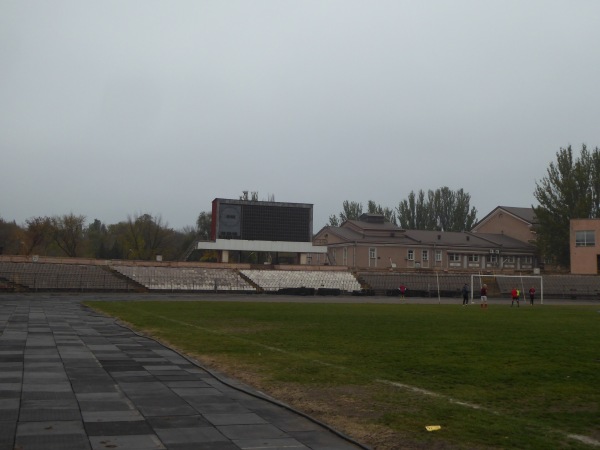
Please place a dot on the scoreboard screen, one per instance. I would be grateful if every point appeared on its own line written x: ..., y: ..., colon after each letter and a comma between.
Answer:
x: 261, y: 221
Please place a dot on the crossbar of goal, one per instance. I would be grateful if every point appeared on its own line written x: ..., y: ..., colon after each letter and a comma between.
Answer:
x: 519, y: 282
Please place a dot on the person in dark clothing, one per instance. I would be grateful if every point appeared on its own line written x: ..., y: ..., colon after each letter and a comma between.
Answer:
x: 465, y: 294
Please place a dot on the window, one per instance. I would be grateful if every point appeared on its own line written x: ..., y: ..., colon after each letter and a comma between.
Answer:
x: 473, y: 258
x: 509, y: 259
x: 527, y: 259
x: 585, y: 239
x: 453, y: 257
x: 438, y: 256
x: 372, y: 253
x: 493, y: 258
x: 411, y: 255
x: 309, y: 258
x: 345, y: 256
x: 425, y: 255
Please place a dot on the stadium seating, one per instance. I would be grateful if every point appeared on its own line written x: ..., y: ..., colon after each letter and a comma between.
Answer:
x: 74, y: 277
x: 43, y: 276
x: 276, y: 280
x: 185, y: 278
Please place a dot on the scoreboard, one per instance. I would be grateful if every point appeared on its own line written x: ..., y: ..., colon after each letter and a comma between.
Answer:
x: 261, y: 221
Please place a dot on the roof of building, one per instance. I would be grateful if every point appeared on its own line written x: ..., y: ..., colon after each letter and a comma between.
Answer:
x: 525, y: 214
x: 466, y: 239
x: 354, y: 231
x: 363, y: 232
x: 384, y: 226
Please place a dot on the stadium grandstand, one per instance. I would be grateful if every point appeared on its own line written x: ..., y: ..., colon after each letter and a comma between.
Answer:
x: 23, y: 274
x: 268, y: 248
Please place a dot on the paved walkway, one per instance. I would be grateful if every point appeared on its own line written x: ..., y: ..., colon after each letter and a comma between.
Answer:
x: 73, y: 379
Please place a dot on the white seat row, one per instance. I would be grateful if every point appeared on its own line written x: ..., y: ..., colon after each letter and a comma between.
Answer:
x: 273, y: 280
x: 185, y: 279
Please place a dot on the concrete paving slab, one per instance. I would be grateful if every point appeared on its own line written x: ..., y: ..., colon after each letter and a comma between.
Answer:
x: 8, y: 428
x: 74, y: 379
x: 199, y: 391
x: 235, y: 419
x: 193, y: 435
x: 37, y: 386
x: 50, y: 427
x: 255, y: 431
x: 9, y: 414
x: 133, y: 442
x: 161, y: 422
x: 53, y: 442
x: 118, y: 428
x: 270, y: 444
x: 45, y: 414
x: 111, y: 416
x: 8, y: 388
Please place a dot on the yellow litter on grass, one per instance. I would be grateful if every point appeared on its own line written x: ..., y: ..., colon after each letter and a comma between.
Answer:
x: 433, y: 427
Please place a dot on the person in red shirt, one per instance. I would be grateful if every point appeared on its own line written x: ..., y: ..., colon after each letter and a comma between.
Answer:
x: 402, y: 290
x: 531, y: 294
x: 515, y: 297
x: 484, y: 296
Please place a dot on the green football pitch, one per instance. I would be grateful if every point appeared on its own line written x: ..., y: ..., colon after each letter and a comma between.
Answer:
x: 501, y: 377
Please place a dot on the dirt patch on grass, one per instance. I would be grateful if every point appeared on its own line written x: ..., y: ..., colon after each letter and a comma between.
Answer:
x: 350, y: 410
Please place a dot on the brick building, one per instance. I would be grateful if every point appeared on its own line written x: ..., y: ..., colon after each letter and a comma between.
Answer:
x: 373, y: 243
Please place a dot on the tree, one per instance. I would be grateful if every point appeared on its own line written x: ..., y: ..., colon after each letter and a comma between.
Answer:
x: 38, y: 235
x: 415, y: 213
x: 570, y: 190
x: 389, y: 214
x: 452, y: 210
x: 442, y: 210
x: 10, y: 237
x: 67, y: 233
x: 96, y: 237
x: 204, y: 226
x: 117, y: 240
x: 352, y: 211
x: 179, y: 242
x: 146, y: 237
x: 333, y: 221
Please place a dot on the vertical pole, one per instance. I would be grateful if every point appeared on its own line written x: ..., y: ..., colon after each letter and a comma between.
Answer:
x: 437, y: 276
x: 471, y: 289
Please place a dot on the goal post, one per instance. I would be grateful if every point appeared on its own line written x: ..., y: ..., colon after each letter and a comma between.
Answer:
x: 522, y: 282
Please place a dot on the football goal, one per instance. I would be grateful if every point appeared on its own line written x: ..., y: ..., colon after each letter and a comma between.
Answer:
x: 507, y: 282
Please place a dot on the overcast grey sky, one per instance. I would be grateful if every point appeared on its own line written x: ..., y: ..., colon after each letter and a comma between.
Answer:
x: 117, y: 108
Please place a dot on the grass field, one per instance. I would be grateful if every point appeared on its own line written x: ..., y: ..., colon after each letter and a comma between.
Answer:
x: 526, y: 378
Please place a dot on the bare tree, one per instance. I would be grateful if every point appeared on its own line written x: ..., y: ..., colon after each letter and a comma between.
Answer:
x: 68, y: 233
x: 38, y: 235
x: 146, y: 236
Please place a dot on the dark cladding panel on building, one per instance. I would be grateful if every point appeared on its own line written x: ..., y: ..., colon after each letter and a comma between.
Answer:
x: 262, y: 221
x: 276, y: 223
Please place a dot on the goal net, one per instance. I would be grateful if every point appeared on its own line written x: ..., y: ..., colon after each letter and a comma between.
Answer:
x: 506, y: 283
